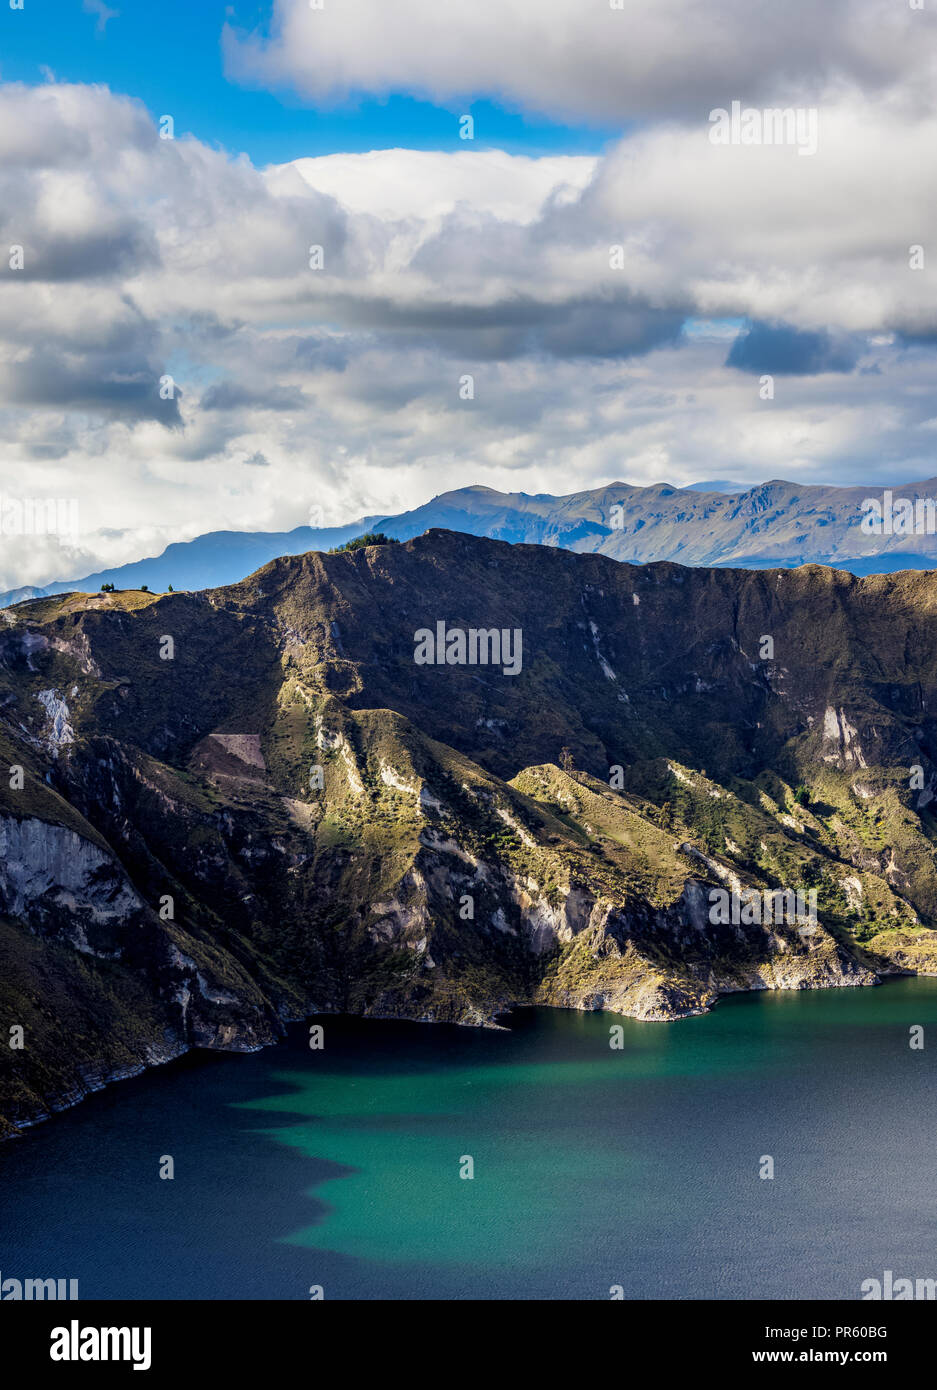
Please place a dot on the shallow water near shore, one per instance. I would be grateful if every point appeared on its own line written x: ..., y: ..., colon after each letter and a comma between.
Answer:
x: 593, y: 1167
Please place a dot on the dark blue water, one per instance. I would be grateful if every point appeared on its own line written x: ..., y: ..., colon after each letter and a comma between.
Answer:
x: 593, y: 1167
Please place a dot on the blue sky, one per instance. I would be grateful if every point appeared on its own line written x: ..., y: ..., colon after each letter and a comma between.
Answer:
x: 169, y: 56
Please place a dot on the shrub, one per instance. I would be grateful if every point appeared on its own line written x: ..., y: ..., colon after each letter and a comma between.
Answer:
x: 359, y: 542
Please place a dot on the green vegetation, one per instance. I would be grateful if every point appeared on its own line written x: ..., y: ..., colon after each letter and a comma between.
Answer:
x: 359, y: 542
x: 338, y: 829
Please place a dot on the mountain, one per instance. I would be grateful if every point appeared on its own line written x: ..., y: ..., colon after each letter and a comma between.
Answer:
x: 209, y: 561
x: 713, y: 524
x: 776, y: 524
x: 229, y: 809
x: 27, y: 591
x: 721, y: 485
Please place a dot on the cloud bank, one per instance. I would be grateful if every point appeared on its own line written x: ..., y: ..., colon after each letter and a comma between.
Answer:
x: 190, y: 342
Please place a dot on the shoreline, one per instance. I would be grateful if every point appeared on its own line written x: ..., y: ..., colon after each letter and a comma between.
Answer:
x: 21, y: 1129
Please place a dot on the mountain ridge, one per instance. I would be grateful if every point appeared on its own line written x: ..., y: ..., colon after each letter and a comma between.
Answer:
x: 774, y: 523
x: 250, y: 804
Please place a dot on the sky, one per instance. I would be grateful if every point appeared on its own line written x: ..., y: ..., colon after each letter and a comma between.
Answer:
x: 262, y: 266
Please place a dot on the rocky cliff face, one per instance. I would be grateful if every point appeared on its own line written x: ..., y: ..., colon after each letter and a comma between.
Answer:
x: 225, y: 810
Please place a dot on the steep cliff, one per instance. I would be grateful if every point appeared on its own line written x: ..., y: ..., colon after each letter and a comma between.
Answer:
x: 219, y: 811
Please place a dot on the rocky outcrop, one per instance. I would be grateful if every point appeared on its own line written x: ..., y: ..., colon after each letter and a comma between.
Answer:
x: 55, y: 881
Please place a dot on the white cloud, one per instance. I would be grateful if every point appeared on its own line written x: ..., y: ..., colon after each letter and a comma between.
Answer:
x: 569, y: 59
x: 429, y: 184
x: 146, y: 258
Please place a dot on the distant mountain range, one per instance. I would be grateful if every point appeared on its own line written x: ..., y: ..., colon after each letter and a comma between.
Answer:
x: 710, y: 524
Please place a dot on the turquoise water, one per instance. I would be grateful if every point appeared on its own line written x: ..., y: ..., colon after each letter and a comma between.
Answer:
x: 592, y: 1167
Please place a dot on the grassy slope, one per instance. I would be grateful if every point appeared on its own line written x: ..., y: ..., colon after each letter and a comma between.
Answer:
x: 293, y: 898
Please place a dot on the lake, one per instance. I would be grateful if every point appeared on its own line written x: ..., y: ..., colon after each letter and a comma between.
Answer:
x: 593, y: 1167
